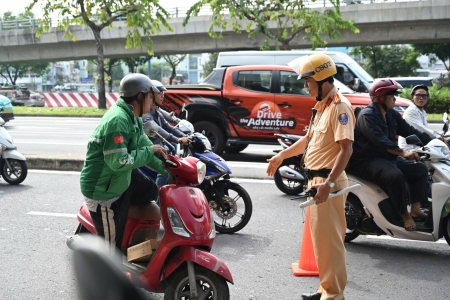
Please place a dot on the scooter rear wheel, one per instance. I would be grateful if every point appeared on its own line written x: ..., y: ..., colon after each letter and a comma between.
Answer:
x: 288, y: 186
x: 20, y: 171
x: 209, y: 285
x: 446, y: 228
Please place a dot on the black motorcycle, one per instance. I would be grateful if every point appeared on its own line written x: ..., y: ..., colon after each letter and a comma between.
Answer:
x: 290, y: 177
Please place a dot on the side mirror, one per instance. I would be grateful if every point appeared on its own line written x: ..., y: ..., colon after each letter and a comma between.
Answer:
x: 444, y: 117
x: 413, y: 140
x: 183, y: 109
x: 357, y: 82
x: 445, y: 127
x: 151, y: 128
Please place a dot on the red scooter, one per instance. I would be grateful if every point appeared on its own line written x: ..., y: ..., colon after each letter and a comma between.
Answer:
x: 182, y: 266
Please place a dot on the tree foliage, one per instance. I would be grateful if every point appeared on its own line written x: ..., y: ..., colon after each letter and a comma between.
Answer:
x: 159, y: 70
x: 146, y: 16
x: 11, y: 72
x: 388, y: 61
x: 440, y: 51
x: 134, y: 62
x: 210, y: 64
x: 280, y: 21
x: 174, y: 61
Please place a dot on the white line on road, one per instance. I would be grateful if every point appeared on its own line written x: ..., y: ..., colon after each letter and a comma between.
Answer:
x: 385, y: 237
x: 50, y: 143
x: 39, y: 213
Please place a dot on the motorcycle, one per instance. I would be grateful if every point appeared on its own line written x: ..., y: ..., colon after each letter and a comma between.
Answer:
x: 228, y: 200
x: 369, y: 211
x: 289, y: 177
x: 13, y: 166
x: 182, y: 265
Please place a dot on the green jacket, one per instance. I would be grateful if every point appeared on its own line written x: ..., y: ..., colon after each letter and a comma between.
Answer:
x: 116, y: 147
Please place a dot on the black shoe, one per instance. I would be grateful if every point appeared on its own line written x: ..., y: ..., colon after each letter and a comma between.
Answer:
x: 315, y: 296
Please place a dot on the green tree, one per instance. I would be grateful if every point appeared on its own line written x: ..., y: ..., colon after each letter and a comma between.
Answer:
x: 280, y: 21
x: 159, y: 70
x: 440, y: 51
x: 143, y: 19
x: 134, y: 62
x: 388, y: 61
x: 110, y: 63
x: 210, y: 64
x: 174, y: 61
x: 12, y: 72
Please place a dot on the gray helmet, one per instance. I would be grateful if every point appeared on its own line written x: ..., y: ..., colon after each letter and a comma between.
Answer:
x: 136, y: 83
x: 159, y: 85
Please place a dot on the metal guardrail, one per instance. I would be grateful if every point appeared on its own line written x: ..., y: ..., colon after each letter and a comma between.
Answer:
x: 180, y: 12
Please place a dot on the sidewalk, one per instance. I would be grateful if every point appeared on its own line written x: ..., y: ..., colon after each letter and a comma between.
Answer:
x: 69, y: 163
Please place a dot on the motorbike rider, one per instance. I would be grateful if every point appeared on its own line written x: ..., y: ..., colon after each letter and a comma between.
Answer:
x: 110, y: 180
x: 326, y: 148
x: 416, y: 116
x: 378, y: 158
x: 167, y: 131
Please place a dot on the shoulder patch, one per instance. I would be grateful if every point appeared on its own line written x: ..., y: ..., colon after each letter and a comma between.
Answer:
x: 343, y: 118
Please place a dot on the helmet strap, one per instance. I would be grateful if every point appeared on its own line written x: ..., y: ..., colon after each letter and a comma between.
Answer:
x: 319, y: 90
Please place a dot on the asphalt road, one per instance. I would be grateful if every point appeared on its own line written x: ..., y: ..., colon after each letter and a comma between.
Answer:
x: 35, y: 263
x: 66, y: 136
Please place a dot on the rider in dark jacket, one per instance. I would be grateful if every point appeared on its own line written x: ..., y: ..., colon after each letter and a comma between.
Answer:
x: 167, y: 131
x: 376, y: 156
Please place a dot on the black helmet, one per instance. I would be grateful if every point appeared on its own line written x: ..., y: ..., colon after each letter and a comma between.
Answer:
x: 135, y: 83
x: 419, y: 86
x: 157, y: 84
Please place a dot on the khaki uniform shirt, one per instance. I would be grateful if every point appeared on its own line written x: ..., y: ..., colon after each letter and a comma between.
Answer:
x: 334, y: 121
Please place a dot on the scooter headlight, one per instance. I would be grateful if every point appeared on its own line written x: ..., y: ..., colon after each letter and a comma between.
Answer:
x: 444, y: 151
x: 201, y: 171
x: 176, y: 223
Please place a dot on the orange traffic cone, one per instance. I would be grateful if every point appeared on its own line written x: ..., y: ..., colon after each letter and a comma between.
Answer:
x: 306, y: 265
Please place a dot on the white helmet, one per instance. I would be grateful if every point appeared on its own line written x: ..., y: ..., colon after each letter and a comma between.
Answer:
x: 185, y: 126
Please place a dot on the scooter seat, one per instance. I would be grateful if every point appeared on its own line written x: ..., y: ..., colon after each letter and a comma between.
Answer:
x: 148, y: 211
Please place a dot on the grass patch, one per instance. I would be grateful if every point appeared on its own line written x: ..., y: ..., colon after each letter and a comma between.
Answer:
x: 434, y: 117
x: 76, y: 111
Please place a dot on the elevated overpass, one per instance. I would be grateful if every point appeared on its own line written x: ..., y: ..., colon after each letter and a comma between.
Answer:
x: 380, y: 23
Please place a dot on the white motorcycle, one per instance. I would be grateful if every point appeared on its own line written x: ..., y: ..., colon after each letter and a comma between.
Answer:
x: 369, y: 211
x: 13, y: 166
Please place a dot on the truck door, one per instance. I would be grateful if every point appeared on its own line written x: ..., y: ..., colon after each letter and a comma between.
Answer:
x: 250, y: 103
x: 294, y: 103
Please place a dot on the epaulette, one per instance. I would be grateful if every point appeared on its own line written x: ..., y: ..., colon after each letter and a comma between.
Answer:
x: 329, y: 101
x: 336, y: 99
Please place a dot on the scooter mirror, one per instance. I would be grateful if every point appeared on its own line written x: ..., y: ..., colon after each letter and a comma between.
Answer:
x: 444, y: 117
x: 445, y: 128
x: 151, y: 128
x: 413, y: 140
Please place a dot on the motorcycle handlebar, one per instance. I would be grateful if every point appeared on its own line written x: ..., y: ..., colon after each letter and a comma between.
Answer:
x: 312, y: 193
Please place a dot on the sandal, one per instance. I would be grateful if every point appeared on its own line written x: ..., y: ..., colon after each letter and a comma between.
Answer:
x: 409, y: 225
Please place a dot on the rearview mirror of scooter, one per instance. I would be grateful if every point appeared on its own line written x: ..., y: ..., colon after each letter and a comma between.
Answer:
x: 445, y: 119
x: 151, y: 128
x: 413, y: 140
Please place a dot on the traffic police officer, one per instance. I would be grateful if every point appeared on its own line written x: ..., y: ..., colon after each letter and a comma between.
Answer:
x: 327, y: 147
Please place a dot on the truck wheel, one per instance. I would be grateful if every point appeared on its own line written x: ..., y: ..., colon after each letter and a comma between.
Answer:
x: 213, y: 134
x: 235, y: 148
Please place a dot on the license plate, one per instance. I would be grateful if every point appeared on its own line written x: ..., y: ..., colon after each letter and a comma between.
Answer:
x: 447, y: 207
x: 7, y: 111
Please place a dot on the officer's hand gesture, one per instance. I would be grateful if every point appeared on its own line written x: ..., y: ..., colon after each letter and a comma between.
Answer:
x: 323, y: 191
x: 274, y: 163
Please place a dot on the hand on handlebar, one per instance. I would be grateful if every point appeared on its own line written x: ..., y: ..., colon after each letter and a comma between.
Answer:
x: 160, y: 150
x: 411, y: 155
x: 184, y: 140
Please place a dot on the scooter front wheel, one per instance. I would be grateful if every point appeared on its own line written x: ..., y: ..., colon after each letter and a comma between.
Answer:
x: 446, y: 228
x: 237, y: 209
x: 209, y: 285
x: 13, y: 172
x: 289, y: 186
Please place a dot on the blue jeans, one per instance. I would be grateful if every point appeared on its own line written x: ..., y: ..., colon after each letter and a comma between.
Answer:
x: 161, y: 180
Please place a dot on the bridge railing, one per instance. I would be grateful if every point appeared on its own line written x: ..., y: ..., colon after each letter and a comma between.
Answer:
x: 180, y: 12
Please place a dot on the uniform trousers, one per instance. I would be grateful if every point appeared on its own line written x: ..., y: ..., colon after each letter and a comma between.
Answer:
x: 328, y: 226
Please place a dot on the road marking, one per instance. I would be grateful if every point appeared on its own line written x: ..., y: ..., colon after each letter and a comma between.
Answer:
x: 55, y: 172
x: 39, y: 213
x: 49, y: 143
x: 385, y: 237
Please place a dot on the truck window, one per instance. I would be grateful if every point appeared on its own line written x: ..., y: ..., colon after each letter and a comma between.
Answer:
x: 289, y: 84
x: 258, y: 81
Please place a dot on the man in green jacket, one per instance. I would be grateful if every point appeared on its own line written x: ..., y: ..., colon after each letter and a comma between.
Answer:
x: 110, y: 180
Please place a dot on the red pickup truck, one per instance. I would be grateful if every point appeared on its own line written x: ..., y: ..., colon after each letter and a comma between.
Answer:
x: 237, y: 106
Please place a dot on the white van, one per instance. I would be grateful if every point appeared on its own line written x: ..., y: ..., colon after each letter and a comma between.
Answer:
x: 348, y: 70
